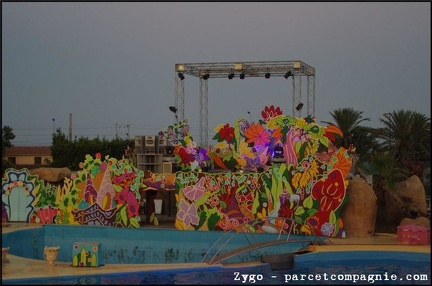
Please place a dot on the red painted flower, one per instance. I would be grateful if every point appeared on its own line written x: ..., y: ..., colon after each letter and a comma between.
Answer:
x: 285, y: 210
x: 270, y: 112
x: 132, y: 204
x: 122, y: 196
x: 186, y: 158
x: 226, y: 132
x: 329, y: 192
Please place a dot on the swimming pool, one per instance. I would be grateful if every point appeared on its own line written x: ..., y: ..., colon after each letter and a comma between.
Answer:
x: 190, y: 246
x: 141, y: 246
x: 358, y: 271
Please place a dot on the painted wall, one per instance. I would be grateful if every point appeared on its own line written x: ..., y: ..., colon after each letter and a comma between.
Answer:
x: 243, y: 182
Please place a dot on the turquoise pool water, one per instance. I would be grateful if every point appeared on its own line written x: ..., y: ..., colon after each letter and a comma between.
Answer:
x: 140, y: 246
x: 343, y: 272
x: 173, y: 246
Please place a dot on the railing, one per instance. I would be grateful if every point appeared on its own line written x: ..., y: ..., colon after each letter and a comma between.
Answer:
x: 249, y: 236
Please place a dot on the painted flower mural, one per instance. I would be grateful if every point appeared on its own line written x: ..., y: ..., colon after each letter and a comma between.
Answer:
x: 106, y: 193
x: 307, y: 186
x: 18, y: 194
x: 188, y: 155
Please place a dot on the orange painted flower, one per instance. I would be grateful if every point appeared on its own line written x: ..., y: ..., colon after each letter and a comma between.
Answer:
x: 277, y: 134
x: 257, y: 134
x: 331, y: 131
x: 343, y: 162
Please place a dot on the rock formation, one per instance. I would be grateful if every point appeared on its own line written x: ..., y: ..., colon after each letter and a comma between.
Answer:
x: 51, y: 175
x: 359, y: 213
x: 406, y: 199
x: 420, y: 221
x: 412, y: 191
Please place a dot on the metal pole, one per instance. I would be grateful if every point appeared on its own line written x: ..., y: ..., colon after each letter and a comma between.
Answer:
x: 70, y: 127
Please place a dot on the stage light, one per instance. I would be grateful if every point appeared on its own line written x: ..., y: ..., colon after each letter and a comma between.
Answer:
x: 267, y: 75
x: 299, y: 106
x: 231, y: 76
x: 169, y: 150
x: 278, y: 152
x: 181, y: 76
x: 173, y: 109
x: 206, y: 76
x: 242, y: 75
x: 287, y: 75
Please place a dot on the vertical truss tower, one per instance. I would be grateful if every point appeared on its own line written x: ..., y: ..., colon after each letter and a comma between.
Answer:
x: 295, y: 70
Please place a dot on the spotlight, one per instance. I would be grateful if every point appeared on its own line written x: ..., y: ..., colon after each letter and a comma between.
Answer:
x: 299, y: 106
x: 242, y: 75
x: 267, y: 75
x: 181, y: 76
x: 231, y: 76
x: 173, y: 109
x: 287, y: 75
x: 278, y: 152
x: 206, y: 76
x: 169, y: 150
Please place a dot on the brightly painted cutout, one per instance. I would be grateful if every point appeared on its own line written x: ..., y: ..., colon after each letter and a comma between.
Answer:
x: 307, y: 184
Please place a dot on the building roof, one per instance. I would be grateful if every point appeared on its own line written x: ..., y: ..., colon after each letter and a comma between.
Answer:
x: 28, y: 150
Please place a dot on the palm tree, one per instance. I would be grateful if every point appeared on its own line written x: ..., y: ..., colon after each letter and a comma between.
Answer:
x: 421, y: 141
x: 384, y: 169
x: 349, y: 122
x: 406, y: 134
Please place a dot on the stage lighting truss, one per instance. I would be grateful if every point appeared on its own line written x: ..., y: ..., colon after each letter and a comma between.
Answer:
x: 250, y: 69
x: 293, y: 70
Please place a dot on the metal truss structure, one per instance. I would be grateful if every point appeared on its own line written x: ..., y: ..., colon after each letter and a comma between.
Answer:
x: 205, y: 71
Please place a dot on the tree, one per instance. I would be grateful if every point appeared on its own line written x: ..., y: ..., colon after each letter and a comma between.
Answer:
x: 361, y: 137
x: 348, y: 120
x: 69, y: 154
x: 62, y: 151
x: 420, y: 143
x: 383, y: 167
x: 406, y: 135
x: 7, y: 137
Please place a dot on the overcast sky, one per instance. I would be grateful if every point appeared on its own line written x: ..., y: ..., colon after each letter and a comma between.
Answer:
x: 112, y: 64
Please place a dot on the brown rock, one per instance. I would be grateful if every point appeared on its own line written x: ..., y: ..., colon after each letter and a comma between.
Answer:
x: 420, y: 221
x: 412, y: 192
x: 359, y: 213
x: 52, y: 175
x: 406, y: 199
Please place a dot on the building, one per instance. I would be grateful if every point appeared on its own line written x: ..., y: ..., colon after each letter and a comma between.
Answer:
x: 29, y: 157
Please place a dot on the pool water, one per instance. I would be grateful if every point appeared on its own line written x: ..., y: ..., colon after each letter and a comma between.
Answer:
x: 378, y: 272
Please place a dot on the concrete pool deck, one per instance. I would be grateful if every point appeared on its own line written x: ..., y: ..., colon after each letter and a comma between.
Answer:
x: 16, y: 267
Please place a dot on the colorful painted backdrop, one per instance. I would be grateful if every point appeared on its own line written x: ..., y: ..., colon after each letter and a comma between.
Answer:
x: 218, y: 188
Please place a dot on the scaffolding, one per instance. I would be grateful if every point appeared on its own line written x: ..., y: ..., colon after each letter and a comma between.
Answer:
x: 205, y: 71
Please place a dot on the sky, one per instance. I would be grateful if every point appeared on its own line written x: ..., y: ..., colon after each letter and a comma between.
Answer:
x: 107, y: 69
